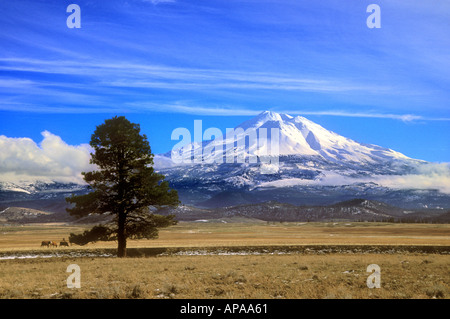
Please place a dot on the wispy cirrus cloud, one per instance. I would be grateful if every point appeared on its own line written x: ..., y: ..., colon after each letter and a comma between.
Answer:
x: 158, y: 1
x: 136, y: 75
x: 181, y: 107
x: 402, y: 117
x: 102, y: 81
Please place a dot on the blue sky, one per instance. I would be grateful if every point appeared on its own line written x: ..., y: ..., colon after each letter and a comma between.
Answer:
x: 165, y: 63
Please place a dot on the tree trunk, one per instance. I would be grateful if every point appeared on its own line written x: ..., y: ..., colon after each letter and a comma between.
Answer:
x: 121, y: 236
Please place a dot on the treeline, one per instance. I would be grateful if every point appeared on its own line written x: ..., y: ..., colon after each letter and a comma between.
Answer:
x: 411, y: 220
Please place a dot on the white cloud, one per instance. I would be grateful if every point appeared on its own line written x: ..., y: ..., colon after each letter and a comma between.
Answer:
x: 180, y: 107
x: 136, y: 75
x: 427, y: 176
x: 159, y: 1
x: 21, y: 159
x: 111, y: 78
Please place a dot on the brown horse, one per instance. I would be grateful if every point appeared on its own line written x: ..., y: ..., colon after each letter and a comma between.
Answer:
x: 54, y: 244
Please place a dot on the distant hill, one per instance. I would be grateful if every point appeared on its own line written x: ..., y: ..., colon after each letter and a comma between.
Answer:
x: 23, y: 215
x: 18, y: 214
x: 352, y: 210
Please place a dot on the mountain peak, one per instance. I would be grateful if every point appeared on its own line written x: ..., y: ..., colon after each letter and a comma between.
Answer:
x: 269, y: 116
x: 301, y: 137
x: 281, y: 117
x: 264, y: 117
x: 274, y: 116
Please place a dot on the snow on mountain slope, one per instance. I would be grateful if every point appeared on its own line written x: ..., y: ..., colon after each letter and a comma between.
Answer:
x: 312, y: 161
x: 314, y: 165
x: 39, y: 187
x: 296, y: 136
x: 300, y: 136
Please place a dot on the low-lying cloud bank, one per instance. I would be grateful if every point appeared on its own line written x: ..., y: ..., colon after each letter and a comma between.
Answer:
x: 427, y: 176
x: 23, y: 160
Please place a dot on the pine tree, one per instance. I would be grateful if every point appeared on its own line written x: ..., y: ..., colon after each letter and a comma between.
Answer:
x: 125, y: 185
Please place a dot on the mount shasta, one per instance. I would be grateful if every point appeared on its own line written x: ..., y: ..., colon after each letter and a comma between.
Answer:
x: 314, y: 166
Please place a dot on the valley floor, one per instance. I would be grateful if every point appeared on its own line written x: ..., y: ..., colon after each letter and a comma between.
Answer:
x: 292, y: 275
x: 242, y: 232
x: 213, y: 277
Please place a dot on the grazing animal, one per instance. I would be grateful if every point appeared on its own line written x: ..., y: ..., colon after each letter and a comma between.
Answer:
x: 46, y: 243
x: 54, y: 244
x: 63, y: 243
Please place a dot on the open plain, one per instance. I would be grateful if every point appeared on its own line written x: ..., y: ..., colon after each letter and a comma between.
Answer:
x: 235, y: 258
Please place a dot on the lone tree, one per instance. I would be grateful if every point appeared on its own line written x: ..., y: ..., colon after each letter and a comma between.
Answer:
x: 125, y: 186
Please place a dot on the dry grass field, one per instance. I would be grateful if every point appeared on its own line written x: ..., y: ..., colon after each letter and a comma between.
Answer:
x: 263, y: 276
x: 244, y: 233
x: 266, y: 276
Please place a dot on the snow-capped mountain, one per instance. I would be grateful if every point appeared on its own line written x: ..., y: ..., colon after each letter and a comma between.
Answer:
x: 44, y: 196
x: 296, y: 136
x: 274, y: 157
x: 311, y: 162
x: 303, y: 149
x: 40, y: 187
x: 300, y: 136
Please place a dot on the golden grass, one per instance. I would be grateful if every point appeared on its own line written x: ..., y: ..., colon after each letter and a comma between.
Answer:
x: 30, y: 236
x: 403, y: 275
x: 263, y: 276
x: 244, y: 234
